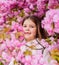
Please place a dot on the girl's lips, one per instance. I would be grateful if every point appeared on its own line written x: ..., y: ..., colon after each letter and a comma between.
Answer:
x: 27, y: 32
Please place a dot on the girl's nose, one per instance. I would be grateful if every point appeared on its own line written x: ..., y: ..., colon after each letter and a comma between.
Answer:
x: 27, y: 29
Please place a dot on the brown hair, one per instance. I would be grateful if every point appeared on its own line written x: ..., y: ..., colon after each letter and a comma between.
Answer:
x: 40, y: 31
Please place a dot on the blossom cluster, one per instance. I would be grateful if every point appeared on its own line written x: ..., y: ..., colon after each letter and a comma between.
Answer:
x: 51, y: 22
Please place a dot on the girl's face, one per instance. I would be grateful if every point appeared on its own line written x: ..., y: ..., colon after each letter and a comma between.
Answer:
x: 29, y: 28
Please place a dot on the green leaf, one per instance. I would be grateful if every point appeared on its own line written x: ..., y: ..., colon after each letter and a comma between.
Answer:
x: 1, y: 63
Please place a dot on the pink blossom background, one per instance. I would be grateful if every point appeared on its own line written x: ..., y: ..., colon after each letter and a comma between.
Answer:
x: 12, y: 13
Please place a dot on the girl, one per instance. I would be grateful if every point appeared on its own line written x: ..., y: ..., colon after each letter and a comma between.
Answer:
x: 32, y: 50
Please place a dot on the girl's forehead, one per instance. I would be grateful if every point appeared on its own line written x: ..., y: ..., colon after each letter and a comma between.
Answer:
x: 29, y: 21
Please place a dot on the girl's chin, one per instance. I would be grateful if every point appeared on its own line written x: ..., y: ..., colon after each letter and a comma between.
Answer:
x: 27, y: 36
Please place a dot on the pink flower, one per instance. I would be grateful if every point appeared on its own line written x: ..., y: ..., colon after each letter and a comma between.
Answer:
x: 53, y: 62
x: 50, y: 22
x: 53, y: 4
x: 2, y: 20
x: 6, y: 57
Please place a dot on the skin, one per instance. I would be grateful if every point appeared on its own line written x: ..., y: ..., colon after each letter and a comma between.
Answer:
x: 29, y: 28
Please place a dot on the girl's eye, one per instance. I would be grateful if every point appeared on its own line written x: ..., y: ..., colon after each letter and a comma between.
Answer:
x: 32, y: 26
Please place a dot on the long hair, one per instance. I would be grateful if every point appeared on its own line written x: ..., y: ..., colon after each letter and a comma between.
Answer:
x: 40, y: 33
